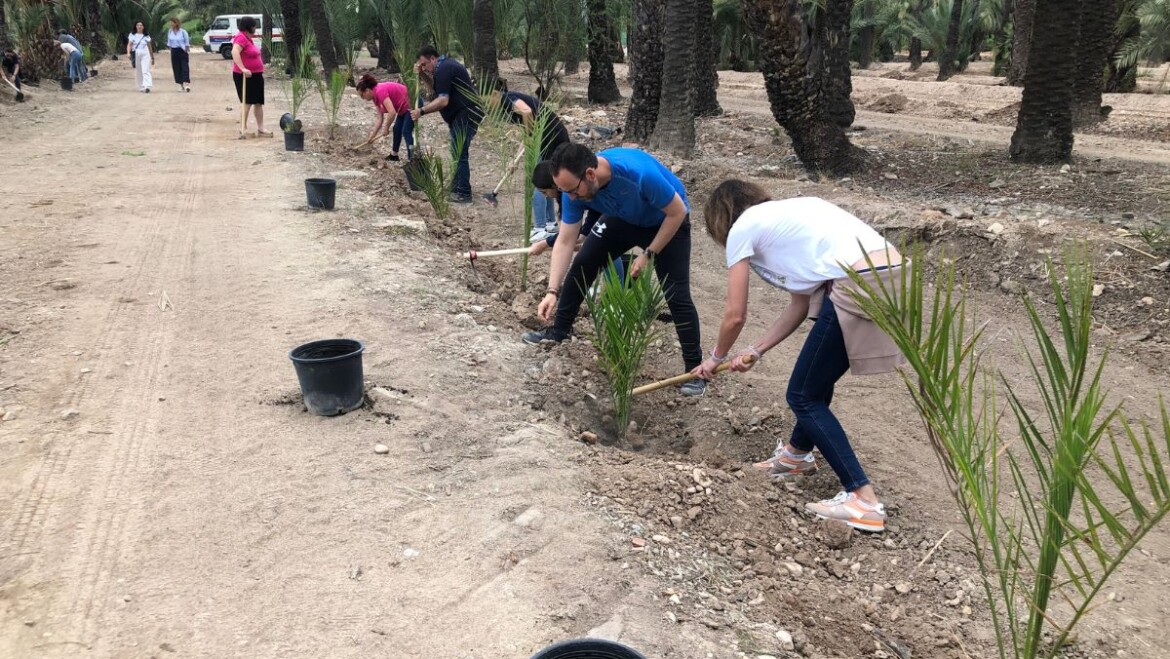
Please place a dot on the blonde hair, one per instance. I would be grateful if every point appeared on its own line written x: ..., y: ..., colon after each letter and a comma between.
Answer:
x: 727, y: 202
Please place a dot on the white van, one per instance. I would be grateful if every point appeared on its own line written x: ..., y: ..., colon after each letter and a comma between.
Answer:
x: 218, y: 38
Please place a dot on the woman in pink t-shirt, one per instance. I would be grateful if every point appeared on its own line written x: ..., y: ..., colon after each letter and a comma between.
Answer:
x: 248, y: 69
x: 390, y: 99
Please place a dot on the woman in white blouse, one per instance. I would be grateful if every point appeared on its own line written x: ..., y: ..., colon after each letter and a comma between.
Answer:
x: 804, y: 245
x: 141, y: 55
x: 180, y: 44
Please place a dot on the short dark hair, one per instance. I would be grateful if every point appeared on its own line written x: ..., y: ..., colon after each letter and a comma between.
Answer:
x: 428, y: 51
x: 542, y: 176
x: 247, y: 24
x: 574, y: 158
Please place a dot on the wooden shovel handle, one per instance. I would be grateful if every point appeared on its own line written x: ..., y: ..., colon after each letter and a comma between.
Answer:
x: 474, y: 254
x: 680, y: 379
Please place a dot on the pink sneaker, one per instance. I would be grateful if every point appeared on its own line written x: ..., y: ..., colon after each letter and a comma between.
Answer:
x: 780, y: 466
x: 847, y: 508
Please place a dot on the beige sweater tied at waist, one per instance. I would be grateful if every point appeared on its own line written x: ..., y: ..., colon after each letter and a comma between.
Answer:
x: 871, y: 351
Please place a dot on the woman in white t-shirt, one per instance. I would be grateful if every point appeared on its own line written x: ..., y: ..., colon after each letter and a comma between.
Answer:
x: 141, y: 54
x: 804, y: 245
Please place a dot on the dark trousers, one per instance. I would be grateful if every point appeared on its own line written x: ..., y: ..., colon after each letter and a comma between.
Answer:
x: 610, y: 238
x: 822, y: 362
x: 181, y: 65
x: 403, y: 128
x: 463, y: 129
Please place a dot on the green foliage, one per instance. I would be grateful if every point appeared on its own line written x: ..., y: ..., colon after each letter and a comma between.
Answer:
x: 552, y: 27
x: 1053, y: 512
x: 623, y: 315
x: 1157, y: 238
x: 332, y: 91
x: 304, y: 78
x: 350, y: 26
x: 738, y: 47
x: 533, y: 141
x: 436, y: 177
x: 1152, y: 45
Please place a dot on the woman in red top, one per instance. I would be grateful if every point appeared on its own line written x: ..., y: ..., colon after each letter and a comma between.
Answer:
x: 248, y: 69
x: 389, y: 98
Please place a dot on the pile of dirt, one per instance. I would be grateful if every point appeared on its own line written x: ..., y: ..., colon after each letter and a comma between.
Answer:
x: 888, y: 103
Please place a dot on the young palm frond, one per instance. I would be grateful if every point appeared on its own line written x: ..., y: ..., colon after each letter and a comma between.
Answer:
x: 533, y: 143
x: 1152, y: 43
x: 435, y: 177
x: 623, y: 315
x: 304, y: 76
x: 332, y: 92
x: 1043, y: 527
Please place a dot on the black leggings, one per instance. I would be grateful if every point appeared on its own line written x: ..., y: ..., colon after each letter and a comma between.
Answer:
x: 610, y: 238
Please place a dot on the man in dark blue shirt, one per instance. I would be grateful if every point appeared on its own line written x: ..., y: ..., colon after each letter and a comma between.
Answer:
x: 643, y: 205
x: 458, y: 102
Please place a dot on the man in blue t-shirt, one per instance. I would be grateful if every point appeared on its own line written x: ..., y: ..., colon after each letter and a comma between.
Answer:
x: 642, y: 204
x: 458, y: 102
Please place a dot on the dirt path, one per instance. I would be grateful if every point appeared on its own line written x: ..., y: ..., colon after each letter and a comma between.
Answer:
x: 165, y: 496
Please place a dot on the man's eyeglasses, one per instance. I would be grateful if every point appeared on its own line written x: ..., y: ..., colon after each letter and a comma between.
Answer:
x: 580, y: 180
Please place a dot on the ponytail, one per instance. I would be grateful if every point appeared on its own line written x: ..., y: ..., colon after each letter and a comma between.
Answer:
x: 368, y: 81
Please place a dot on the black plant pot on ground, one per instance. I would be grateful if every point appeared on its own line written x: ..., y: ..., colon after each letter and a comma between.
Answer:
x: 294, y: 141
x: 321, y: 192
x: 588, y: 648
x: 67, y: 84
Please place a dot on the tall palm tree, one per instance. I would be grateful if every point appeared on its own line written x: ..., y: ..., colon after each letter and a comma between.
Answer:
x: 319, y: 18
x: 645, y: 68
x: 675, y: 128
x: 483, y: 21
x: 290, y: 11
x: 93, y: 28
x: 707, y: 48
x: 1044, y: 128
x: 796, y: 86
x: 3, y: 25
x: 603, y: 86
x: 1022, y: 29
x: 1093, y: 47
x: 950, y: 52
x: 831, y: 46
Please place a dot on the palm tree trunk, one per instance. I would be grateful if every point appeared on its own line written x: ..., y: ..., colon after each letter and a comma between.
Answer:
x: 645, y: 68
x: 603, y: 86
x: 575, y: 50
x: 950, y: 53
x: 706, y: 62
x: 974, y: 48
x: 795, y: 86
x: 93, y: 29
x: 41, y: 59
x: 619, y: 53
x: 675, y: 129
x: 325, y: 47
x: 265, y: 34
x: 1021, y: 41
x: 915, y: 53
x: 483, y: 19
x: 386, y: 59
x: 832, y: 43
x: 867, y: 36
x: 1044, y: 127
x: 3, y: 25
x: 291, y: 31
x: 1097, y: 23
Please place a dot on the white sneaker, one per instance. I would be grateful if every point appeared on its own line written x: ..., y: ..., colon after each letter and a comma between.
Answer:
x: 537, y: 235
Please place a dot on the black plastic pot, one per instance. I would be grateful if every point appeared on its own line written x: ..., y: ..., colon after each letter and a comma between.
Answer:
x: 330, y: 373
x: 321, y: 192
x: 587, y: 648
x: 294, y: 141
x: 67, y: 84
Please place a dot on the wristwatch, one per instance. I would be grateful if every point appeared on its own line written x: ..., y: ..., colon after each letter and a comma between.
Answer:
x: 649, y: 253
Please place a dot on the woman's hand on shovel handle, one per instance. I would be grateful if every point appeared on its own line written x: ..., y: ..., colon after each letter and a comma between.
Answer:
x: 745, y: 360
x: 707, y: 370
x: 246, y: 72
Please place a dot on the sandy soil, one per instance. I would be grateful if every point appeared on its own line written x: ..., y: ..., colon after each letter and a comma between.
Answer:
x: 170, y: 497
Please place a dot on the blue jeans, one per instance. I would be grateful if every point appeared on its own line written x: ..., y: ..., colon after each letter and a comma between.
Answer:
x: 543, y: 210
x: 77, y: 69
x: 822, y: 362
x: 404, y: 128
x: 462, y: 128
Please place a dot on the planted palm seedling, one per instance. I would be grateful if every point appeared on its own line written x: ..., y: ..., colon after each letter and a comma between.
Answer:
x: 533, y: 143
x: 332, y: 92
x: 434, y: 177
x: 1055, y: 504
x: 623, y: 313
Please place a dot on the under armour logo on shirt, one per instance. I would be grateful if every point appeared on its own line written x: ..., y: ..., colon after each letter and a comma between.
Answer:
x: 598, y: 229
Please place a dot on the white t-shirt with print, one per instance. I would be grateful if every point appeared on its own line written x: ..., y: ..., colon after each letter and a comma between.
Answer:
x: 68, y: 48
x: 139, y: 43
x: 798, y: 244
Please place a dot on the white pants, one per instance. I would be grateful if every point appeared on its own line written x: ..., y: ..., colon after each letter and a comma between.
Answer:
x: 142, y: 70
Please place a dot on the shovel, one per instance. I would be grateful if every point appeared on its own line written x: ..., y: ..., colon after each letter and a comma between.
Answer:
x: 491, y: 196
x: 19, y: 94
x: 368, y: 142
x: 515, y: 251
x: 680, y: 379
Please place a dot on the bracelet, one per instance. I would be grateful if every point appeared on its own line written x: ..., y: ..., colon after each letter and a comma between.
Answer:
x: 756, y: 353
x: 721, y: 360
x: 553, y: 292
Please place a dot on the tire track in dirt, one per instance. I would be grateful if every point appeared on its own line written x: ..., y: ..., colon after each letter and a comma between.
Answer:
x: 115, y: 511
x: 31, y: 519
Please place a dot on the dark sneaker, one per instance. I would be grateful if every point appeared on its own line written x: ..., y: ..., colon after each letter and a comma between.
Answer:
x: 695, y: 387
x: 549, y: 334
x: 460, y: 198
x: 393, y: 158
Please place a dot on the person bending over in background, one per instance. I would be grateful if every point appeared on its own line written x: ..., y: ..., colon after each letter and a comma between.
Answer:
x: 804, y: 246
